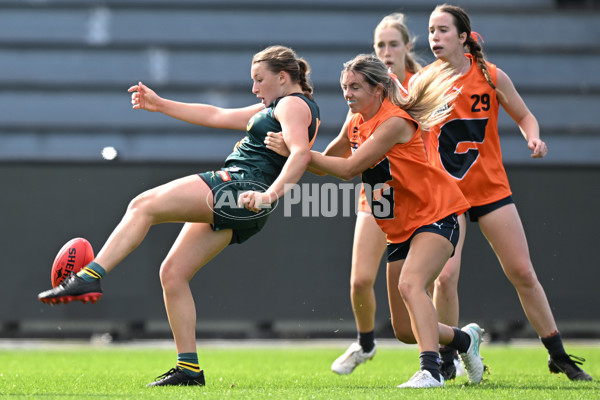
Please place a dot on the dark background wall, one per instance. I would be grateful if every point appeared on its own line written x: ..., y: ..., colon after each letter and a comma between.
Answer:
x: 290, y: 280
x: 66, y: 66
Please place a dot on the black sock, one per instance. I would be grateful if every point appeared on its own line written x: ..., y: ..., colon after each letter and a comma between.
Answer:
x: 447, y: 354
x: 430, y: 361
x: 554, y: 345
x: 366, y: 340
x: 461, y: 341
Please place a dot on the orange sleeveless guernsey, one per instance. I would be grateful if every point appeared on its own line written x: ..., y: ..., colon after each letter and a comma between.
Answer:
x: 467, y: 145
x: 408, y: 192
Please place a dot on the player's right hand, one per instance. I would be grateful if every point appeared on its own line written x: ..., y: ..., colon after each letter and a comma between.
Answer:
x: 143, y: 98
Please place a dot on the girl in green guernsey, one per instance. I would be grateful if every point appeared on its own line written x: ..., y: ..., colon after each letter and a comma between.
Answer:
x: 217, y: 207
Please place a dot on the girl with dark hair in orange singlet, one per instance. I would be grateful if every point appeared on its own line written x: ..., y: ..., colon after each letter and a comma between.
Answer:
x: 467, y: 146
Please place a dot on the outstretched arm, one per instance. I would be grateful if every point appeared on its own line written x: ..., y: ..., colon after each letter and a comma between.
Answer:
x: 144, y: 98
x: 516, y: 108
x: 393, y: 131
x: 339, y: 147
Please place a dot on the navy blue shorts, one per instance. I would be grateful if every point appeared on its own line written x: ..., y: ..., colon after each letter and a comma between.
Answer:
x: 226, y: 186
x: 479, y: 211
x: 447, y: 227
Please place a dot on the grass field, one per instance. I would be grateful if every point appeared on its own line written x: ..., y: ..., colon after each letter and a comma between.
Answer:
x: 277, y: 372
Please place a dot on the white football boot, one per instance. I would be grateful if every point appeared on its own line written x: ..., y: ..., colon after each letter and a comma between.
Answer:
x: 352, y: 358
x: 471, y: 359
x: 422, y: 380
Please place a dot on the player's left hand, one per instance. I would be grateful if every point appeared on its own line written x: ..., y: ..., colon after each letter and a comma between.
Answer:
x: 254, y: 201
x: 538, y: 147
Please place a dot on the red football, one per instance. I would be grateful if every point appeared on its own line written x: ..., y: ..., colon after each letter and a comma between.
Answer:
x: 74, y: 255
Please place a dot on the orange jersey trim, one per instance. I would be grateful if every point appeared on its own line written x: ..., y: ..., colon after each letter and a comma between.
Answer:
x: 224, y: 175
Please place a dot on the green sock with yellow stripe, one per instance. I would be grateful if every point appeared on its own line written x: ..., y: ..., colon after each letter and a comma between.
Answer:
x: 91, y: 271
x: 189, y: 363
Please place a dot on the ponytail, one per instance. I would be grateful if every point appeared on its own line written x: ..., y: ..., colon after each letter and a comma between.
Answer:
x: 430, y: 95
x: 476, y: 51
x: 303, y: 73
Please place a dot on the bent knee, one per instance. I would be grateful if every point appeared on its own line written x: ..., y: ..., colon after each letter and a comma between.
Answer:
x: 446, y: 282
x: 140, y: 202
x: 403, y: 334
x: 523, y: 275
x: 361, y: 284
x: 165, y: 275
x: 170, y: 277
x: 408, y: 289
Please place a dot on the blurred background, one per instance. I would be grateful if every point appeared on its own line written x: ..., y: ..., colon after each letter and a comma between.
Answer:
x: 66, y: 65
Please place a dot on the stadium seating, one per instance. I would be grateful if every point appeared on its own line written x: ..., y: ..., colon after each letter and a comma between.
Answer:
x: 67, y: 65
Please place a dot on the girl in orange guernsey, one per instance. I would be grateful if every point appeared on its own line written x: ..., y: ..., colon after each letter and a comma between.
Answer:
x: 413, y: 202
x: 466, y: 146
x: 392, y: 45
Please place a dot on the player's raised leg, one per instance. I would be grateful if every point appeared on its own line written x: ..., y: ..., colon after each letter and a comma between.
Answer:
x: 182, y: 200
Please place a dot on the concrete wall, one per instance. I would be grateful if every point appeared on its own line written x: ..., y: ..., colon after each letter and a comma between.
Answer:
x: 292, y: 278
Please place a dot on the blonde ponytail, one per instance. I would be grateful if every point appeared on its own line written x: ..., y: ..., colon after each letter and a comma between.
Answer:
x: 431, y: 95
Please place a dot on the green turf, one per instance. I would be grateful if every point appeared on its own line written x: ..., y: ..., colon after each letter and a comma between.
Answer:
x: 121, y: 372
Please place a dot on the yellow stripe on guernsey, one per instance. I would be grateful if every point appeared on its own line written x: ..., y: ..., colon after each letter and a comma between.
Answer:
x: 190, y: 366
x: 91, y: 273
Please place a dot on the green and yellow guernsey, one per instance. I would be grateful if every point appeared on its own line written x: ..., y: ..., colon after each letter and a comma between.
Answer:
x: 251, y: 153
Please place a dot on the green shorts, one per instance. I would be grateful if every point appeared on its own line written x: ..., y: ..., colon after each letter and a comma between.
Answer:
x: 226, y: 186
